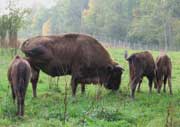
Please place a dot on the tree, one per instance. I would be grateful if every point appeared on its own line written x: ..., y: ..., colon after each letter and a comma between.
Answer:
x: 15, y: 22
x: 138, y: 21
x: 107, y: 18
x: 3, y: 30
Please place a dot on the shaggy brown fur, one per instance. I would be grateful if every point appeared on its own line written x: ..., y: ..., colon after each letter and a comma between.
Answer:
x: 163, y: 72
x: 19, y: 75
x: 78, y: 55
x: 140, y: 65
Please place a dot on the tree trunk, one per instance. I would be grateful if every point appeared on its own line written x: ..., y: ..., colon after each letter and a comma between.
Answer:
x: 165, y: 36
x: 13, y: 42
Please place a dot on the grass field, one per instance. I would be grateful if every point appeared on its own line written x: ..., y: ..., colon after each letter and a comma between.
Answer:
x: 98, y: 107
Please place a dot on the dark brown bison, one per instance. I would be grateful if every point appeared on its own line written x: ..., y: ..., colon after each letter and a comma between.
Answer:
x: 163, y: 72
x: 78, y: 55
x: 140, y: 65
x: 19, y: 75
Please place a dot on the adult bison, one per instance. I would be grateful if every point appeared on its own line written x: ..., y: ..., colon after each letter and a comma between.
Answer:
x: 19, y: 74
x: 78, y: 55
x: 140, y: 65
x: 163, y: 72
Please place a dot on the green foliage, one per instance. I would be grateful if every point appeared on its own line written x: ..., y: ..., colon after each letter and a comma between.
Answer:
x: 106, y: 18
x: 15, y: 19
x: 11, y: 23
x: 137, y: 21
x: 3, y: 25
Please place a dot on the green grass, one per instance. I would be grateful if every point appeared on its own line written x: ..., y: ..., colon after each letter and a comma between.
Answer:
x: 98, y: 107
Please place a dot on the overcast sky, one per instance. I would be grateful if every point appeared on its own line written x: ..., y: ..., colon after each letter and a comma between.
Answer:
x: 26, y: 3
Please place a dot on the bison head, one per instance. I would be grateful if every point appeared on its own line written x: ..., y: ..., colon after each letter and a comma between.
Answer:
x: 114, y: 77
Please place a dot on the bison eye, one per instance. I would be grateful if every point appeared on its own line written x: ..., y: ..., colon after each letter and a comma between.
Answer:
x: 109, y: 68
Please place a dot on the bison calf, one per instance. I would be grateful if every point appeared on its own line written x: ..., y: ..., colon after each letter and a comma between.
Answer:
x: 140, y: 65
x: 163, y: 72
x: 19, y: 75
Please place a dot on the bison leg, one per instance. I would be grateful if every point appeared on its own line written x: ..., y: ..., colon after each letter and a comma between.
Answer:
x: 73, y: 86
x: 22, y: 107
x: 159, y: 86
x: 13, y: 94
x: 139, y: 86
x: 155, y: 83
x: 165, y: 80
x: 20, y: 104
x: 82, y: 88
x: 133, y: 86
x: 150, y: 85
x: 34, y: 80
x: 170, y: 85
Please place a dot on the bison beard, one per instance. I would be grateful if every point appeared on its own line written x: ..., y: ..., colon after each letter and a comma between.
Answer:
x: 140, y: 65
x: 78, y: 55
x: 19, y: 75
x: 163, y: 72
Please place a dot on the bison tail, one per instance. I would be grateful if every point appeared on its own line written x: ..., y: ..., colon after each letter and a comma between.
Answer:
x: 128, y: 58
x: 23, y: 45
x: 22, y: 81
x: 23, y: 72
x: 24, y: 48
x: 21, y: 84
x: 126, y: 54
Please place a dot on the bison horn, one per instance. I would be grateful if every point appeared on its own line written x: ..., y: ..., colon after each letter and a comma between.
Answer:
x: 118, y: 66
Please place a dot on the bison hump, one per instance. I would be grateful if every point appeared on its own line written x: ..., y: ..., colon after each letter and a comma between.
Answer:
x: 71, y: 36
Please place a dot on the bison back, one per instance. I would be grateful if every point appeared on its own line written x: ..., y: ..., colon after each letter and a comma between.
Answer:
x: 66, y: 51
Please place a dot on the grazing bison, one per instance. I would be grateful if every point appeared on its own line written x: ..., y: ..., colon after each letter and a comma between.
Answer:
x: 78, y: 55
x: 140, y: 65
x: 19, y: 75
x: 163, y: 72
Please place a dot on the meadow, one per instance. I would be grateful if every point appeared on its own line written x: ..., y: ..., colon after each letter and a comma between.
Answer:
x: 98, y: 107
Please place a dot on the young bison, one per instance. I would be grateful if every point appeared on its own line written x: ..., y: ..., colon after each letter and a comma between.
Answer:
x: 19, y: 75
x: 140, y: 65
x: 163, y: 72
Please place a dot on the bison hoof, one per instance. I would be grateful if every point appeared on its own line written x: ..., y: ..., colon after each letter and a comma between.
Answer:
x: 73, y: 99
x: 83, y: 93
x: 132, y: 98
x: 138, y: 91
x: 19, y: 114
x: 158, y: 93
